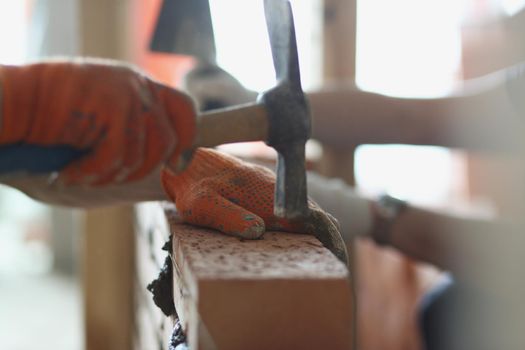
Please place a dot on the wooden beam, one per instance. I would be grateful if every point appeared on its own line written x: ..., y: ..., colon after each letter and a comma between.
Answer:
x: 105, y: 28
x: 108, y: 272
x: 108, y: 249
x: 339, y: 58
x: 285, y: 291
x: 339, y: 66
x: 339, y: 37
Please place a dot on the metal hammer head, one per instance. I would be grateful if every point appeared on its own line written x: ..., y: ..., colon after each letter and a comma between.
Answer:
x: 185, y: 27
x: 288, y: 113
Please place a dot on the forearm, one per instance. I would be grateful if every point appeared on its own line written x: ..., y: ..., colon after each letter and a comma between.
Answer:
x: 443, y: 240
x: 466, y: 244
x: 474, y: 119
x: 473, y: 247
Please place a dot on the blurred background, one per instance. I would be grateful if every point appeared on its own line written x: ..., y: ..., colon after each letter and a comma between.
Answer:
x: 409, y: 48
x: 40, y: 298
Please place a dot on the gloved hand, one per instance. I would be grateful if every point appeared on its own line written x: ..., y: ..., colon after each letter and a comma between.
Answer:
x: 224, y: 193
x: 125, y: 123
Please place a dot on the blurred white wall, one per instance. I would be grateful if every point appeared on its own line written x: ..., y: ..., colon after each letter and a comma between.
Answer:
x: 53, y: 29
x: 242, y: 42
x: 54, y: 32
x: 409, y: 48
x: 38, y: 305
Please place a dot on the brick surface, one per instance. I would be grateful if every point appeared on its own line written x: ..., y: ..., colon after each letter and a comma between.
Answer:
x: 285, y: 291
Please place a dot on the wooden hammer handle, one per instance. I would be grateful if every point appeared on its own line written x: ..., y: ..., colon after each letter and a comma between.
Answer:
x: 239, y: 124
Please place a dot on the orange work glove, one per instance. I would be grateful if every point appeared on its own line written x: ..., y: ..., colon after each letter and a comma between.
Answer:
x: 127, y: 123
x: 224, y: 193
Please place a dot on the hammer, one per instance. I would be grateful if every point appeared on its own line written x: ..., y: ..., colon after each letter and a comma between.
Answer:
x: 280, y: 116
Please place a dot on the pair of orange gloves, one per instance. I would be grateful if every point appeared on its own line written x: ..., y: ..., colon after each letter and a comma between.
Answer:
x: 128, y: 124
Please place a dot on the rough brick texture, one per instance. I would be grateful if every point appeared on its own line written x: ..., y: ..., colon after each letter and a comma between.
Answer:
x: 285, y: 291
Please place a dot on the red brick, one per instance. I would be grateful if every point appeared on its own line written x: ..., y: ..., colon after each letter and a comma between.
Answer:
x: 285, y: 291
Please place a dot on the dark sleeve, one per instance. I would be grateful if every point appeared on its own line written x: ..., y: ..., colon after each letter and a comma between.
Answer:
x: 516, y: 87
x: 33, y: 159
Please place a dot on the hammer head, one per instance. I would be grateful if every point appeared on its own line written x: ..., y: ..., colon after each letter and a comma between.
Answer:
x: 288, y: 113
x: 185, y: 27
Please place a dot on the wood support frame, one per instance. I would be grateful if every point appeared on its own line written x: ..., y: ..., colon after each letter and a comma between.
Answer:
x: 108, y: 273
x: 108, y: 245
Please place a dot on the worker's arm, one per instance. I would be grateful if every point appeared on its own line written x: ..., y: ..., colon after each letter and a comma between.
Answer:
x: 483, y: 115
x: 469, y: 245
x: 466, y: 244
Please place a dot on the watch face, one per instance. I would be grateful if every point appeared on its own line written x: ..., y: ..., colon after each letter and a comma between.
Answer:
x: 389, y: 212
x: 391, y: 206
x: 387, y: 209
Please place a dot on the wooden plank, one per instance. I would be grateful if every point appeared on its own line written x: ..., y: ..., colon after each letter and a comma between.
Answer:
x: 108, y: 250
x: 339, y: 66
x: 105, y: 28
x: 339, y: 59
x: 339, y: 38
x: 387, y: 284
x: 285, y: 291
x: 108, y: 272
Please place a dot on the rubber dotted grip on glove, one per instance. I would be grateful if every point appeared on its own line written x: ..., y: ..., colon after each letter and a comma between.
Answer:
x: 227, y: 194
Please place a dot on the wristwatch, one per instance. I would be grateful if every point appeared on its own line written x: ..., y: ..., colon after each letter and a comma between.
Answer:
x: 385, y: 210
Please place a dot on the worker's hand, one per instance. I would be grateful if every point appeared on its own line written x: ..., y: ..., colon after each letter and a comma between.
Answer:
x: 235, y: 197
x: 125, y: 124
